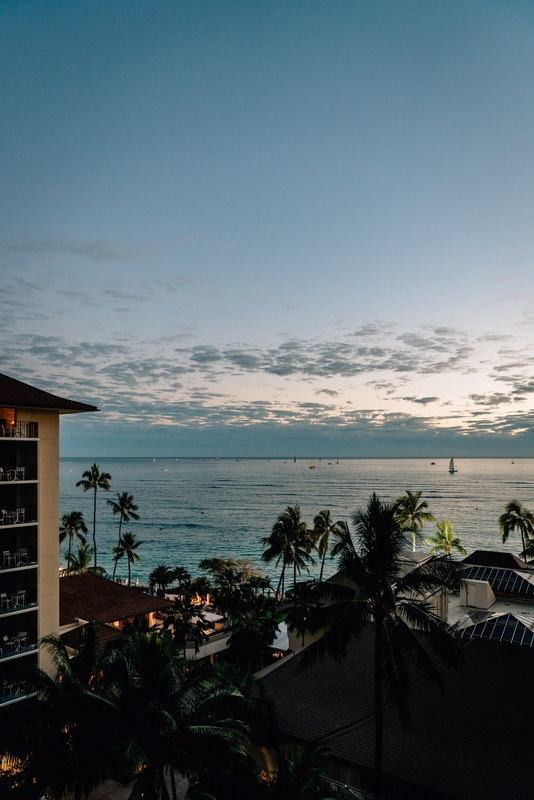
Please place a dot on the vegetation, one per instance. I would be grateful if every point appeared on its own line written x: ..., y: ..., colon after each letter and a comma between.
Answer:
x: 290, y: 543
x: 80, y: 562
x: 411, y: 511
x: 323, y: 526
x: 93, y: 480
x: 72, y: 526
x: 517, y: 518
x: 398, y: 607
x: 126, y: 509
x: 444, y: 541
x: 134, y: 713
x: 128, y: 547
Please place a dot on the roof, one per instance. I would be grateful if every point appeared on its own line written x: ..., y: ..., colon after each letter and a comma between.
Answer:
x: 97, y: 599
x: 493, y: 558
x: 481, y: 723
x: 502, y: 627
x: 21, y: 395
x: 509, y: 582
x: 104, y: 634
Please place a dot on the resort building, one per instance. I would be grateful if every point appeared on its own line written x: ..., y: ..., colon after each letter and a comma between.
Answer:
x: 29, y: 515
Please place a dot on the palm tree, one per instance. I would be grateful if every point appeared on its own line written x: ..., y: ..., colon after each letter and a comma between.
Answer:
x: 411, y: 511
x: 152, y: 716
x: 323, y: 525
x: 397, y: 607
x: 80, y: 562
x: 93, y: 479
x: 303, y: 605
x: 186, y: 618
x: 125, y: 507
x: 72, y: 525
x: 517, y: 518
x: 129, y: 546
x: 182, y: 578
x: 299, y: 774
x: 229, y: 581
x: 444, y: 541
x: 254, y: 626
x: 291, y: 543
x: 161, y: 576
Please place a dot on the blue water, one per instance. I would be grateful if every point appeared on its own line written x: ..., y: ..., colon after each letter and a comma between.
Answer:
x: 192, y: 509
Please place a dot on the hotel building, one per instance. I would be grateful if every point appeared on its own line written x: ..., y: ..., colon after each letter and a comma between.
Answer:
x: 29, y: 520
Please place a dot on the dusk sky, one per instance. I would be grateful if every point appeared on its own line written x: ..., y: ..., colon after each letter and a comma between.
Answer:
x: 272, y: 227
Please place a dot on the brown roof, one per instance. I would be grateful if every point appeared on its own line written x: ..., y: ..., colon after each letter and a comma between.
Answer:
x: 21, y: 395
x: 98, y: 599
x: 494, y: 558
x: 472, y: 743
x: 104, y: 634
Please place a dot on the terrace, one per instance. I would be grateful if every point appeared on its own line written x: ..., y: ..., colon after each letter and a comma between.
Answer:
x: 18, y: 430
x: 25, y: 515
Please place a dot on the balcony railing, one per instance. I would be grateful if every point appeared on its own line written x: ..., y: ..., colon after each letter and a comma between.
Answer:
x: 12, y: 603
x: 18, y: 559
x: 23, y: 472
x: 12, y: 690
x: 20, y: 430
x: 12, y: 648
x: 19, y: 516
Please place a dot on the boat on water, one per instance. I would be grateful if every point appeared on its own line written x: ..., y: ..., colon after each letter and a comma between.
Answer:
x: 452, y: 468
x: 432, y: 463
x: 294, y: 459
x: 312, y: 465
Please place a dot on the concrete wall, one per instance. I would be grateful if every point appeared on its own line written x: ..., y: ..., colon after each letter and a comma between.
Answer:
x: 48, y: 517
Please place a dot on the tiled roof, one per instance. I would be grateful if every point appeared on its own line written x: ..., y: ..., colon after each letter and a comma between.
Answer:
x: 16, y: 394
x: 494, y: 558
x: 98, y: 599
x: 473, y: 742
x: 104, y: 634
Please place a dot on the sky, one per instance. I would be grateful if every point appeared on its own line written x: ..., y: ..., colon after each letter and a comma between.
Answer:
x: 280, y: 227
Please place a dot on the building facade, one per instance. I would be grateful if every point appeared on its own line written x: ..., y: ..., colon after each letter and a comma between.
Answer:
x: 29, y: 515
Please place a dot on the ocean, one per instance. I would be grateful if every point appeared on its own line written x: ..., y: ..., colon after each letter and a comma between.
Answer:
x: 194, y: 508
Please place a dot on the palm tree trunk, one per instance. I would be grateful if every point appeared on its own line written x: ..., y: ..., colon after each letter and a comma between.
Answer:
x: 413, y: 537
x: 70, y: 547
x: 94, y: 527
x: 379, y: 718
x: 322, y: 562
x: 129, y: 569
x: 116, y: 562
x: 295, y: 579
x: 173, y: 784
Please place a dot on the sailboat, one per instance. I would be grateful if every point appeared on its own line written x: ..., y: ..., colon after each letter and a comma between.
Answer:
x: 312, y: 465
x: 294, y: 459
x: 451, y: 466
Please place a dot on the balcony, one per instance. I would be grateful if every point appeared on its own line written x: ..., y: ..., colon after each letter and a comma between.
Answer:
x: 16, y: 646
x: 12, y: 690
x: 20, y: 430
x: 16, y: 602
x: 19, y: 516
x: 19, y: 559
x: 18, y: 474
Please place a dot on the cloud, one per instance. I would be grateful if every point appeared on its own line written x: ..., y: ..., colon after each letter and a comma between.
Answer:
x: 96, y: 250
x: 329, y: 392
x: 495, y: 399
x: 422, y: 400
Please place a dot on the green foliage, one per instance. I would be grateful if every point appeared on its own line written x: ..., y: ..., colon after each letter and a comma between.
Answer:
x: 72, y: 526
x: 93, y: 480
x: 132, y: 713
x: 517, y: 518
x: 411, y: 512
x: 290, y: 543
x: 444, y: 541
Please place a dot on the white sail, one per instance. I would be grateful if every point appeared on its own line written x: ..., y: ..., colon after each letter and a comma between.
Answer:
x: 451, y: 466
